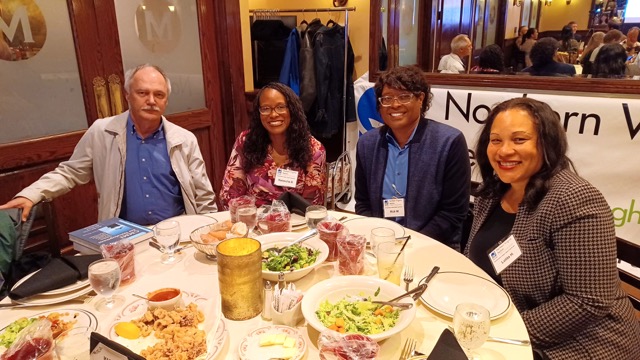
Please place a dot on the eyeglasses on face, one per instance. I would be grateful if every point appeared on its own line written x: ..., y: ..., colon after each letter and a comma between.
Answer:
x: 402, y: 99
x: 266, y: 110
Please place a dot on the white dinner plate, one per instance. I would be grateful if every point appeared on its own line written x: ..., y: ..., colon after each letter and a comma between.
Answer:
x: 363, y: 226
x: 76, y: 286
x: 448, y: 289
x: 138, y: 307
x: 250, y: 348
x: 81, y: 317
x: 297, y: 220
x: 54, y: 299
x: 188, y: 223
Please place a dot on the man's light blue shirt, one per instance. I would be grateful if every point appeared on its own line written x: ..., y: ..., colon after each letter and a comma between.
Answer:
x: 151, y: 189
x: 397, y: 169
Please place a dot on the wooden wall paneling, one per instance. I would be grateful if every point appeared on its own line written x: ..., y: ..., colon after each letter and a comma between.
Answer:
x: 375, y: 34
x: 18, y: 155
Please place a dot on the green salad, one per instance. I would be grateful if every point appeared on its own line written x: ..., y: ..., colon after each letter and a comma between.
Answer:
x: 362, y: 317
x: 291, y: 258
x: 8, y: 336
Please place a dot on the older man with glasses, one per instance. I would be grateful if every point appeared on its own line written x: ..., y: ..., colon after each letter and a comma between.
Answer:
x: 413, y: 170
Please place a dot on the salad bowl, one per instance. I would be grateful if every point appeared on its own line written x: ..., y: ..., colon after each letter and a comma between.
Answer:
x: 281, y: 239
x: 352, y: 288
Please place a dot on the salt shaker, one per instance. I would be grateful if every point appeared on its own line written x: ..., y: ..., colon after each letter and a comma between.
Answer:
x: 268, y: 299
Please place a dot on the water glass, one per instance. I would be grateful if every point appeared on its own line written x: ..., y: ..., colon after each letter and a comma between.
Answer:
x: 235, y: 203
x: 167, y: 233
x: 380, y: 235
x: 104, y: 277
x: 390, y: 261
x: 471, y: 324
x: 248, y: 214
x: 74, y: 344
x: 314, y: 214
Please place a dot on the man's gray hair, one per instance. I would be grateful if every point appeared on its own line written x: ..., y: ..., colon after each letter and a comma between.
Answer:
x: 128, y: 76
x: 459, y: 42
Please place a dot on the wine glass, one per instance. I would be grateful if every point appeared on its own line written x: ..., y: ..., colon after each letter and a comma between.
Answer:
x: 167, y: 233
x: 104, y: 277
x: 314, y: 214
x: 248, y: 214
x: 471, y: 325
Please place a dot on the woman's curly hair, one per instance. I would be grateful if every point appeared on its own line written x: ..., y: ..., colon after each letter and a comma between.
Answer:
x: 410, y: 78
x: 298, y: 136
x: 552, y: 142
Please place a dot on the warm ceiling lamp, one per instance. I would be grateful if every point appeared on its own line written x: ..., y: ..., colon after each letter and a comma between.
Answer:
x: 517, y: 2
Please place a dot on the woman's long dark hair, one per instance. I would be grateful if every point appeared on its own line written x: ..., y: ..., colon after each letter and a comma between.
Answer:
x: 298, y: 137
x: 552, y: 142
x: 610, y: 62
x: 528, y: 34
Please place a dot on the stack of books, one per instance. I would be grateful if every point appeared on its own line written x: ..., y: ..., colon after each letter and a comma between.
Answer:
x: 88, y: 240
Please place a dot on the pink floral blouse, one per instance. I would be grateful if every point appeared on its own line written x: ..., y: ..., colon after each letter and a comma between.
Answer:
x: 258, y: 182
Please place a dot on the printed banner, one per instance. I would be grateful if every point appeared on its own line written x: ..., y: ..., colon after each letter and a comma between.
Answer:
x: 603, y: 133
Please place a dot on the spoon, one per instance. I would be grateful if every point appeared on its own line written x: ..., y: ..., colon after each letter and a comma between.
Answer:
x: 140, y: 296
x: 306, y: 236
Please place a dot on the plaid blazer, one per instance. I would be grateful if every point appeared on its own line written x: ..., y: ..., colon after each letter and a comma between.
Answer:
x: 565, y: 284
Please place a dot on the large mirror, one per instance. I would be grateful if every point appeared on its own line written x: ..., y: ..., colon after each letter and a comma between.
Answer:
x: 395, y: 23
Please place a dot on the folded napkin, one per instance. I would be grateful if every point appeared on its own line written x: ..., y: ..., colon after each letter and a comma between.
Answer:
x: 105, y: 346
x: 56, y: 274
x: 447, y: 348
x: 295, y: 203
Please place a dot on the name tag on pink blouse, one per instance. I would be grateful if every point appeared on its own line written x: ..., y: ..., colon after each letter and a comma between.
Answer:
x: 504, y: 254
x: 286, y: 178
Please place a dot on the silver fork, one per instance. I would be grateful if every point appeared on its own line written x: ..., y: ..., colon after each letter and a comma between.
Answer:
x: 408, y: 276
x: 408, y: 349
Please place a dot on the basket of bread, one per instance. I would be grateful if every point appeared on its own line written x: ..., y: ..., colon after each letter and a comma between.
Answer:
x: 206, y: 238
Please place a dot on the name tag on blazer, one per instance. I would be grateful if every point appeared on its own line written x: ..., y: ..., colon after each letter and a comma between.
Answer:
x: 504, y: 254
x: 393, y: 207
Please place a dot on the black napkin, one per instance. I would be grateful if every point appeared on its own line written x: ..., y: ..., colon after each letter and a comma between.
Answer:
x: 81, y: 263
x: 447, y: 348
x: 97, y: 339
x: 295, y: 203
x: 56, y: 274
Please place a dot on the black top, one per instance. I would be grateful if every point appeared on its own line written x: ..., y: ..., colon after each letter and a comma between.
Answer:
x: 496, y: 228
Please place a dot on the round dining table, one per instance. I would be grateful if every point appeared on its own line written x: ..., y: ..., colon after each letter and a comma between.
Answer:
x: 197, y: 277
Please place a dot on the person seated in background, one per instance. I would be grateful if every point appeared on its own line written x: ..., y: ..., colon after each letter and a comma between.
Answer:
x: 574, y: 30
x: 453, y: 63
x: 543, y: 56
x: 277, y: 154
x: 610, y: 62
x: 146, y: 169
x: 611, y: 37
x: 563, y: 277
x: 594, y: 42
x: 491, y: 61
x: 517, y: 54
x: 528, y: 40
x: 567, y: 42
x: 631, y: 44
x: 413, y: 170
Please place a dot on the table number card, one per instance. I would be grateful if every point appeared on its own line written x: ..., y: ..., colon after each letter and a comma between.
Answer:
x: 105, y: 349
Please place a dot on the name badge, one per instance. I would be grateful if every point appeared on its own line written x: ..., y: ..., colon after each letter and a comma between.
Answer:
x: 393, y: 207
x: 286, y: 178
x: 505, y: 254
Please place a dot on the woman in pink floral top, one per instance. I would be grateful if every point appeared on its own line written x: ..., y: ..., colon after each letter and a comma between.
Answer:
x: 277, y: 154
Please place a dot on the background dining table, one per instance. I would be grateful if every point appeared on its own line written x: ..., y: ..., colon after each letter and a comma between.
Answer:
x: 196, y: 275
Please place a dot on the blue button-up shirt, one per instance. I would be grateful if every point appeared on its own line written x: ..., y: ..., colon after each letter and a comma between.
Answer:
x: 397, y: 169
x: 151, y: 189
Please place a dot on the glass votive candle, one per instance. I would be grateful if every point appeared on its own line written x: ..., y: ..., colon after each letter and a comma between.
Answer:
x: 240, y: 277
x: 351, y: 254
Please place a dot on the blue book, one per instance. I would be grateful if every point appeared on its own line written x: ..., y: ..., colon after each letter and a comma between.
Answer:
x: 106, y: 232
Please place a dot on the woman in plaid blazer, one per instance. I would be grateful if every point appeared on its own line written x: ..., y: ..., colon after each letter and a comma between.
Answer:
x: 565, y: 284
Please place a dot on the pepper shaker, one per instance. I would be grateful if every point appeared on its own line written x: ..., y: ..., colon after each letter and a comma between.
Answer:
x: 268, y: 299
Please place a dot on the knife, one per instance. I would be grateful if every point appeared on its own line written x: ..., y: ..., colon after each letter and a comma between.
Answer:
x: 433, y: 273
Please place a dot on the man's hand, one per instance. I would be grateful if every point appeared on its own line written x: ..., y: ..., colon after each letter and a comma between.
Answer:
x: 20, y: 203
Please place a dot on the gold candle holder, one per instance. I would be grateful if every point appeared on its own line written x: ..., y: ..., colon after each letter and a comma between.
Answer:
x: 240, y: 277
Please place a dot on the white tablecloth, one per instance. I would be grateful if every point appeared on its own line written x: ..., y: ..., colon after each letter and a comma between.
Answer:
x: 198, y: 275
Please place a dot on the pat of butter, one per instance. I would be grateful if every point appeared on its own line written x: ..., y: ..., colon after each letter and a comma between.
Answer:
x: 267, y: 340
x: 280, y: 338
x: 289, y: 342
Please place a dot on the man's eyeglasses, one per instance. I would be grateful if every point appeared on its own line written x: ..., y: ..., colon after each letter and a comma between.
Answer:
x: 402, y: 99
x: 266, y: 110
